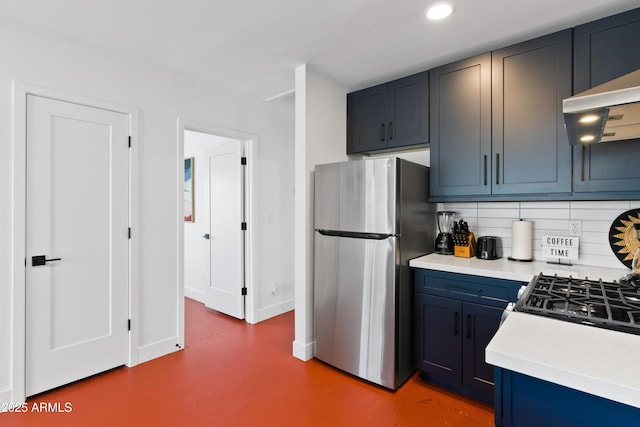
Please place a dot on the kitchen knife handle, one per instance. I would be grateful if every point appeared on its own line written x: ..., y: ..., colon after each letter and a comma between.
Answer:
x: 456, y: 323
x: 390, y: 131
x: 497, y: 168
x: 469, y: 326
x: 485, y: 169
x: 382, y: 131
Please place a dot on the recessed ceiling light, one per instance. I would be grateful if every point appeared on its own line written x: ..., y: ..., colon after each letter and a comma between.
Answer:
x: 587, y: 138
x: 589, y: 118
x: 439, y: 11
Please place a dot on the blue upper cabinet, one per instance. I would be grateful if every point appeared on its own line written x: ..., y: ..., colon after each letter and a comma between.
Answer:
x: 366, y: 120
x: 408, y: 111
x: 497, y: 123
x: 494, y: 122
x: 606, y: 49
x: 531, y: 151
x: 389, y: 116
x: 603, y: 50
x: 460, y: 127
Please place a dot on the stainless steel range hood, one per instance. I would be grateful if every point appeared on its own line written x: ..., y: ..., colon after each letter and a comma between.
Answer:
x: 609, y: 112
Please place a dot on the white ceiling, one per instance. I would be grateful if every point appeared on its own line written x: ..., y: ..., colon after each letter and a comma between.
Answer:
x: 253, y: 46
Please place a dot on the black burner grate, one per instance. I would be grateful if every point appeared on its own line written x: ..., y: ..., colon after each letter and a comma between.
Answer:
x: 612, y: 305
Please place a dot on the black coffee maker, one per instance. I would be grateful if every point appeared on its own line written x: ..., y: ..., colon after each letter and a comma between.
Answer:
x: 444, y: 241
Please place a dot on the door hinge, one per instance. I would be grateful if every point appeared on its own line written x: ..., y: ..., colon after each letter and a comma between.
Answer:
x: 244, y: 291
x: 129, y: 232
x: 243, y: 161
x: 129, y: 325
x: 243, y: 226
x: 129, y: 141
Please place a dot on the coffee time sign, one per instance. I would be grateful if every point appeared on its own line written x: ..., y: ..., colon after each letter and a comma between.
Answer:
x: 560, y: 247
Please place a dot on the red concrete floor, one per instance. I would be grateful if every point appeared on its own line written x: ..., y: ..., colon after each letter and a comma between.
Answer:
x: 235, y: 374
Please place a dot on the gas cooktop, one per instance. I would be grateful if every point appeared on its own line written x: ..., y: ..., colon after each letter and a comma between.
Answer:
x: 612, y: 305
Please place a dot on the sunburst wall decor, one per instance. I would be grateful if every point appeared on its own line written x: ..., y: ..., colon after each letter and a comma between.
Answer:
x: 622, y: 236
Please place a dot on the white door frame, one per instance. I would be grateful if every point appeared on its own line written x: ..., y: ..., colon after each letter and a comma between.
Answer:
x: 18, y: 221
x: 250, y: 140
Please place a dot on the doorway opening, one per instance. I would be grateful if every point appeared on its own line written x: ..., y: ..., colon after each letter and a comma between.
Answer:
x: 216, y: 226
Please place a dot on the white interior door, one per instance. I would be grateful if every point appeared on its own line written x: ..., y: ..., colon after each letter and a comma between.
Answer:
x: 77, y: 227
x: 226, y: 236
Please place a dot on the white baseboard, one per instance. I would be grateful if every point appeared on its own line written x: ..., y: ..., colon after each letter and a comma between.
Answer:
x: 157, y: 349
x: 195, y: 294
x: 303, y: 351
x: 6, y: 400
x: 275, y: 310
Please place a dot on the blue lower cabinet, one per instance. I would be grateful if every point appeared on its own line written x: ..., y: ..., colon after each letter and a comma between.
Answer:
x: 456, y: 316
x: 524, y: 401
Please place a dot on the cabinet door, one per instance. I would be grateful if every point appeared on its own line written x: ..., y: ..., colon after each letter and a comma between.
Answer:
x: 480, y: 325
x: 439, y: 342
x: 531, y: 152
x: 366, y: 118
x: 460, y: 127
x: 606, y: 49
x: 408, y: 111
x: 533, y: 402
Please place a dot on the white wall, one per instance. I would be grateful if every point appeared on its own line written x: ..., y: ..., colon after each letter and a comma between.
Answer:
x: 44, y: 59
x: 495, y: 219
x: 320, y: 137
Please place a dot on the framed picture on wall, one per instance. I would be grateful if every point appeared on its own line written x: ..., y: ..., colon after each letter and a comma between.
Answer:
x: 188, y: 190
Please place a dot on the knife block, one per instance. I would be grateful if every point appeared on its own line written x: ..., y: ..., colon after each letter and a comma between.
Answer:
x: 463, y: 250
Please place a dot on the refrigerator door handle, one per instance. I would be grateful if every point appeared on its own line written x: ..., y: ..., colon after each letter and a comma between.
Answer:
x: 355, y: 235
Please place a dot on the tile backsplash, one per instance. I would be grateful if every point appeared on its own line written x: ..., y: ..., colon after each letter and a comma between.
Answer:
x: 495, y: 219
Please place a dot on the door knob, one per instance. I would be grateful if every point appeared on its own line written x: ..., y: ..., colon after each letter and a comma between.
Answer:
x: 206, y: 236
x: 41, y: 260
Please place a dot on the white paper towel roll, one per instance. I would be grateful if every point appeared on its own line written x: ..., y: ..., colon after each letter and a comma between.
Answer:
x: 522, y: 241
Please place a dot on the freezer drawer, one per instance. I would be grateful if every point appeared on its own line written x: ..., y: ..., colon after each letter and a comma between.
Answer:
x: 357, y: 196
x: 354, y: 306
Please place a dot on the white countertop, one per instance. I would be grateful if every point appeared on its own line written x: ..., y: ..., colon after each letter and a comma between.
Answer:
x: 513, y: 270
x: 594, y: 360
x: 586, y: 358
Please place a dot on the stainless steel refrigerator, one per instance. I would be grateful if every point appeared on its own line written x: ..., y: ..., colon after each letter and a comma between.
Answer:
x: 371, y: 218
